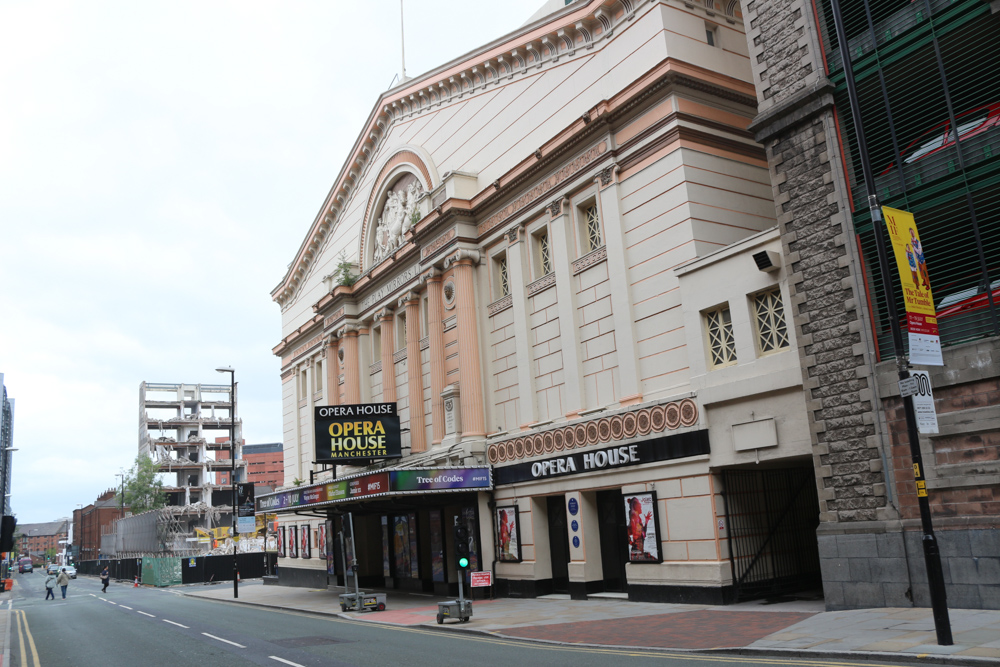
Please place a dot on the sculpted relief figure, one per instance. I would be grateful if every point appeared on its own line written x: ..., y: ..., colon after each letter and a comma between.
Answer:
x: 396, y: 219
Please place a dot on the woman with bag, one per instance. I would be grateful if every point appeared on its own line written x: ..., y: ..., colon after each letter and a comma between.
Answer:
x: 105, y: 579
x: 50, y: 586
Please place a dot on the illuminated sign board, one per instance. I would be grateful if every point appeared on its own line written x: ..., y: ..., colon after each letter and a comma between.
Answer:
x: 356, y: 434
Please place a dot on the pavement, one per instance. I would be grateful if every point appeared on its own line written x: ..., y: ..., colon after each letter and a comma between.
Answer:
x: 793, y: 628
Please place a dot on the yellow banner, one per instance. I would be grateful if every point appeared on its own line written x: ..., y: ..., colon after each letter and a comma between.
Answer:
x: 911, y: 260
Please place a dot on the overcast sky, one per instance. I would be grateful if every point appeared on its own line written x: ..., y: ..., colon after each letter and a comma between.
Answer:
x: 160, y: 163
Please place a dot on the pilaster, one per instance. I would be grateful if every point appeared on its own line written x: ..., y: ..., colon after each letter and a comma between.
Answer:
x: 621, y: 309
x: 332, y: 388
x: 576, y: 399
x: 352, y: 372
x: 435, y: 331
x: 469, y: 373
x: 414, y: 374
x: 385, y: 322
x: 525, y: 375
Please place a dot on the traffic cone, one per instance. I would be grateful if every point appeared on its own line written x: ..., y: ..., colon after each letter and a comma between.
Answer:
x: 136, y: 584
x: 238, y: 579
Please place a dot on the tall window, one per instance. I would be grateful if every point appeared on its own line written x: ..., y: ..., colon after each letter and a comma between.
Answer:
x: 721, y: 344
x: 769, y: 317
x: 593, y: 227
x: 318, y: 377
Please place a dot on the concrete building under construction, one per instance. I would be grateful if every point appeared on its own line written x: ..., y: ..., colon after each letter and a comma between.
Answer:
x: 179, y: 428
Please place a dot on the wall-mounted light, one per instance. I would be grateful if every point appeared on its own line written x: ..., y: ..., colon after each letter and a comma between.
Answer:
x: 767, y: 260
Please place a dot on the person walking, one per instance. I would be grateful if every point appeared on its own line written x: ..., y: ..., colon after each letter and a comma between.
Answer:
x: 63, y: 581
x: 105, y: 579
x: 50, y: 587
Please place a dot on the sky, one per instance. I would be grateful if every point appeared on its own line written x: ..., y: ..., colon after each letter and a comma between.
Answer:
x: 160, y: 163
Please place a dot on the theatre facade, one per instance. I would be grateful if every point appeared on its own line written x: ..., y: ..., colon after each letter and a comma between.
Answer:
x: 556, y: 258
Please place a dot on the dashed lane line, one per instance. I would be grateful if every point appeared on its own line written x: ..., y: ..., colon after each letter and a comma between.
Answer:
x: 224, y: 640
x: 145, y: 614
x: 177, y: 624
x: 287, y: 662
x: 124, y: 607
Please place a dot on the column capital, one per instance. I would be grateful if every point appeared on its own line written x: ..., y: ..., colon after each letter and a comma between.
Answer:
x: 462, y: 255
x: 407, y: 299
x: 349, y: 331
x: 556, y: 206
x: 431, y: 275
x: 384, y: 314
x: 608, y: 175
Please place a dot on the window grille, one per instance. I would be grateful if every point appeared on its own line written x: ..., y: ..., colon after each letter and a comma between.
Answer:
x: 721, y: 344
x: 769, y: 313
x: 544, y: 255
x: 593, y: 228
x: 504, y: 279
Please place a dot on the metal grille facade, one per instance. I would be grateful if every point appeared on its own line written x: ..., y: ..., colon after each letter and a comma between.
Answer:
x: 929, y: 91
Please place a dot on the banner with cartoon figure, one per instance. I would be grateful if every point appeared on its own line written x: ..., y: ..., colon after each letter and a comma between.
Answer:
x: 642, y: 524
x: 509, y: 534
x: 911, y: 259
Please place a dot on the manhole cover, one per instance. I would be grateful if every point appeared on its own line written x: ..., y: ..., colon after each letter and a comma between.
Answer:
x: 303, y: 642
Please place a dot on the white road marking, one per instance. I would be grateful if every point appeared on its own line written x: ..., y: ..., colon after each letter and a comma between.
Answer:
x: 110, y: 602
x: 227, y: 641
x: 287, y: 662
x: 177, y: 624
x: 124, y: 607
x: 145, y: 614
x: 91, y: 595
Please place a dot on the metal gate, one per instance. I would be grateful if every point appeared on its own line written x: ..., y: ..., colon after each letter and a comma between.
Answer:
x: 772, y: 517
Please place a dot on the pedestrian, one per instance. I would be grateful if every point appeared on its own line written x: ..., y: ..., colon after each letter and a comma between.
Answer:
x: 105, y: 579
x: 63, y: 581
x: 50, y: 586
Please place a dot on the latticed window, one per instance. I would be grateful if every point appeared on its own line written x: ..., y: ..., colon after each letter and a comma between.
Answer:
x: 721, y: 344
x: 769, y: 314
x: 544, y: 255
x: 593, y: 228
x: 502, y: 276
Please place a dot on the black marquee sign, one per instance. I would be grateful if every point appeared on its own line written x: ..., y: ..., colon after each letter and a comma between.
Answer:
x: 664, y: 448
x: 356, y: 434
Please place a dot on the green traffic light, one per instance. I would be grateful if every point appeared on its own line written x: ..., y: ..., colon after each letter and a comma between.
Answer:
x: 463, y: 562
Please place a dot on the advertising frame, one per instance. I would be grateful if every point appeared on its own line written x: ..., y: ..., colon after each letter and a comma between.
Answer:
x: 343, y: 431
x: 508, y: 515
x: 646, y: 501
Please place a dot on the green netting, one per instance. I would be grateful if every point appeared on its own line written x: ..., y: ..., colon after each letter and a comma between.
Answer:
x: 952, y: 188
x: 161, y: 571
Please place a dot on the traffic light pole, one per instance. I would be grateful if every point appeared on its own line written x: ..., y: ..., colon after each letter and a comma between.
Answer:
x: 932, y: 552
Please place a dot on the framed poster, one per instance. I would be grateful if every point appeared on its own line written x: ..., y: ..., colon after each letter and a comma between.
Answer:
x: 293, y: 541
x: 281, y: 542
x: 401, y: 545
x: 508, y: 534
x: 305, y: 532
x: 642, y: 523
x: 469, y: 517
x: 437, y: 547
x: 328, y: 551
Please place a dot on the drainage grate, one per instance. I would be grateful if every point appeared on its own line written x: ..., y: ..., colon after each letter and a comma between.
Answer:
x: 304, y: 642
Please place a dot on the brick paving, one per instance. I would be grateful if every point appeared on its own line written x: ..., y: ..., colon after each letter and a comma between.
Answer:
x: 688, y: 630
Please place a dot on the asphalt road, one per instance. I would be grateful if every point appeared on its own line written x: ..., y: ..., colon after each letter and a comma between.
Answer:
x: 162, y: 628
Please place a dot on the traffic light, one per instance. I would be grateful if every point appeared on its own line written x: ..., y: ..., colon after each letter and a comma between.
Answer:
x: 462, y: 545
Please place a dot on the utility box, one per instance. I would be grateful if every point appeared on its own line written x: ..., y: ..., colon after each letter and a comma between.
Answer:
x: 460, y: 609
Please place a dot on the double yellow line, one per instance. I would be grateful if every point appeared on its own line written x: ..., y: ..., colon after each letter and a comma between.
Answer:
x: 21, y: 618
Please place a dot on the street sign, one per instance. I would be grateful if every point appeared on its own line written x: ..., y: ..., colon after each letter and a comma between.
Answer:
x: 909, y: 387
x: 481, y: 579
x: 923, y: 403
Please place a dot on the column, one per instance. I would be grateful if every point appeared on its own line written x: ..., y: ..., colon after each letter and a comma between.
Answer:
x: 385, y: 322
x: 469, y: 374
x: 352, y: 377
x: 298, y: 422
x: 414, y: 373
x: 576, y: 399
x: 309, y: 448
x: 435, y: 331
x: 621, y: 309
x: 525, y: 362
x: 332, y: 371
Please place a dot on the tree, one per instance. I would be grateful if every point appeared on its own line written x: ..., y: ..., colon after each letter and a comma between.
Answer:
x: 143, y: 491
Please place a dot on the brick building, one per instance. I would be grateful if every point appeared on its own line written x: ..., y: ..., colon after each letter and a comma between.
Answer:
x: 89, y: 521
x: 265, y: 464
x: 918, y: 68
x: 38, y: 538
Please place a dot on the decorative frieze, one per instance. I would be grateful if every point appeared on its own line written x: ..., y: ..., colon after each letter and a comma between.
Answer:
x: 542, y: 284
x: 330, y: 320
x: 622, y: 426
x: 590, y: 259
x: 391, y: 286
x: 501, y: 305
x: 542, y: 188
x: 438, y: 243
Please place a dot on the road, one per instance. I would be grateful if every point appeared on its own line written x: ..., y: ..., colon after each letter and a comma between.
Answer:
x: 163, y: 628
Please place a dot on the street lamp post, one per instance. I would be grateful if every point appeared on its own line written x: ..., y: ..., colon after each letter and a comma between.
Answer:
x: 232, y: 466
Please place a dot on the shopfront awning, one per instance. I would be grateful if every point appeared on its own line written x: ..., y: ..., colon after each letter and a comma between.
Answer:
x: 381, y: 484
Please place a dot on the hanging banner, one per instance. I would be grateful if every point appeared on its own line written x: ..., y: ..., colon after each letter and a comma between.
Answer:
x: 355, y: 434
x: 911, y: 260
x: 245, y: 521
